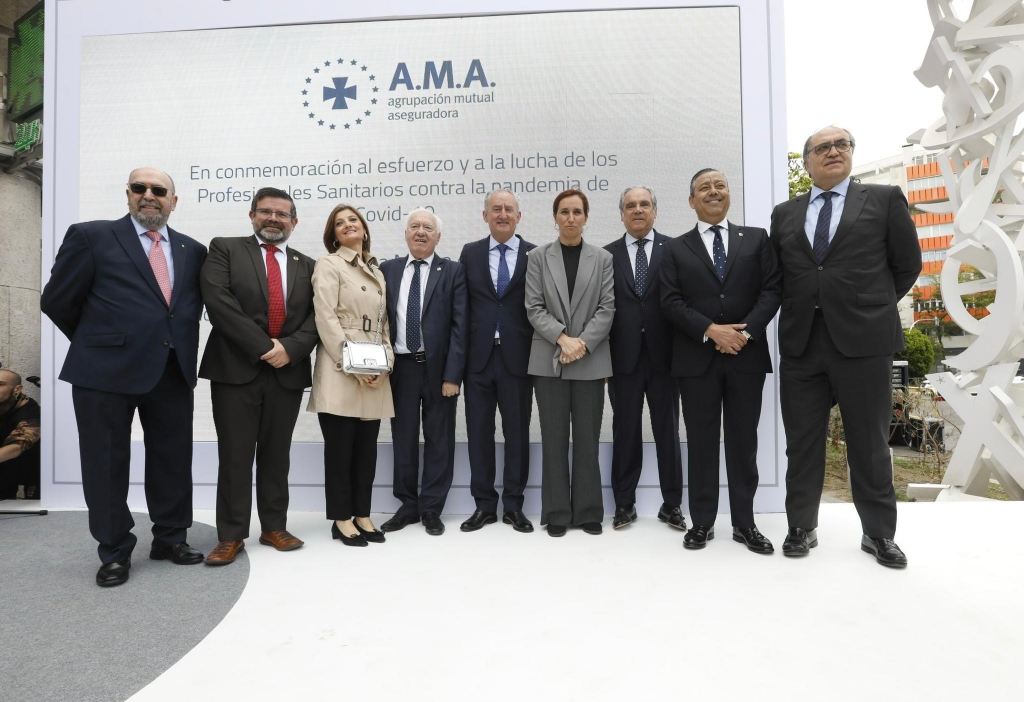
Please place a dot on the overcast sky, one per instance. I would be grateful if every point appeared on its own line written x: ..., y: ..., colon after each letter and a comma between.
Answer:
x: 852, y: 64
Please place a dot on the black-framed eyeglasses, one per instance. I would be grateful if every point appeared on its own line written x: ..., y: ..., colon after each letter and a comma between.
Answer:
x: 842, y: 146
x: 267, y: 214
x: 141, y: 188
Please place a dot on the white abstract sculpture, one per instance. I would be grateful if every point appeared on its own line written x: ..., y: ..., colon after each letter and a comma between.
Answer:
x: 978, y: 63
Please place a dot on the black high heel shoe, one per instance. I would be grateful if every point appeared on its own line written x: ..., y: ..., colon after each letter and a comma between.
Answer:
x: 357, y: 540
x: 374, y: 537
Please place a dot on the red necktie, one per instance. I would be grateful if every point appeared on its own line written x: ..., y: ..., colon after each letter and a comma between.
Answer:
x: 276, y: 312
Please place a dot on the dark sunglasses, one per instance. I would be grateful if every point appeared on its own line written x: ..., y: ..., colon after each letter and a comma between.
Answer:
x: 141, y: 188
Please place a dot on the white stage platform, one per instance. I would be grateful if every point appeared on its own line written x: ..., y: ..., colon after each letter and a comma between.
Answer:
x: 497, y: 615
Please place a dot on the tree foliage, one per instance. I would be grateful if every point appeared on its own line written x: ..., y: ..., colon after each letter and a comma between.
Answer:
x: 920, y: 352
x: 799, y: 181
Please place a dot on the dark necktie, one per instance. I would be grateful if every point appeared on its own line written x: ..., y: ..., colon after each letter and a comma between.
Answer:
x: 503, y: 276
x: 412, y: 313
x: 276, y: 311
x: 641, y: 267
x: 821, y: 230
x: 718, y: 249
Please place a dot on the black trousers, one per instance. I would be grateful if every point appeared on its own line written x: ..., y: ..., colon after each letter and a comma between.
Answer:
x: 254, y: 420
x: 412, y: 396
x: 350, y: 464
x: 104, y: 439
x: 863, y: 388
x: 494, y: 387
x: 626, y: 392
x: 730, y: 399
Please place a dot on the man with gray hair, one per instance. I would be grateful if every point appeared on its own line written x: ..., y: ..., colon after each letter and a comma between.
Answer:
x: 496, y: 367
x: 426, y: 299
x: 641, y: 346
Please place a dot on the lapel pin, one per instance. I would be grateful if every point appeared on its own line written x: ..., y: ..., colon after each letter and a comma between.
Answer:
x: 295, y: 258
x: 740, y: 233
x: 182, y: 246
x: 438, y: 268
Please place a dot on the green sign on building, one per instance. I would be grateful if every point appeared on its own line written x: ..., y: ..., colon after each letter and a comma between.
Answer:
x: 25, y: 65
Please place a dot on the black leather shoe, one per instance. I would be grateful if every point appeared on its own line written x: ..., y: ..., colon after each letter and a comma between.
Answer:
x: 518, y: 521
x: 698, y: 537
x: 181, y: 554
x: 433, y: 523
x: 799, y: 542
x: 478, y: 520
x: 111, y: 574
x: 885, y: 551
x: 354, y: 540
x: 624, y: 516
x: 672, y: 516
x: 374, y: 537
x: 556, y: 530
x: 399, y: 522
x: 753, y: 539
x: 592, y: 528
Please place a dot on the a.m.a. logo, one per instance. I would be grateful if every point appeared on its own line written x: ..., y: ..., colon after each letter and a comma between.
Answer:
x: 435, y: 78
x: 339, y: 95
x: 441, y: 93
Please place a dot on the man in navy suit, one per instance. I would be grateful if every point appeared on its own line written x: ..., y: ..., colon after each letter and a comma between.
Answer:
x: 720, y: 288
x: 498, y: 355
x: 126, y: 293
x: 427, y: 309
x: 641, y: 345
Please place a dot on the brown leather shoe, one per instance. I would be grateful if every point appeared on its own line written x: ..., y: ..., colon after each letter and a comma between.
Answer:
x: 224, y: 552
x: 281, y: 540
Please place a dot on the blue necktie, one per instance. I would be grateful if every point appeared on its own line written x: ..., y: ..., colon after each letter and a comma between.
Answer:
x: 641, y: 267
x: 718, y: 249
x: 821, y: 229
x: 412, y: 314
x: 503, y: 276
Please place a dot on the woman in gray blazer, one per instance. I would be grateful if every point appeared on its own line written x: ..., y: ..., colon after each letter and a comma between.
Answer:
x: 570, y: 302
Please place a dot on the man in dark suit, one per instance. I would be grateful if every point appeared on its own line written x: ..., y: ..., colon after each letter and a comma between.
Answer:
x: 126, y: 293
x: 259, y: 297
x: 641, y: 346
x: 848, y: 253
x: 720, y: 288
x: 498, y: 354
x: 427, y: 306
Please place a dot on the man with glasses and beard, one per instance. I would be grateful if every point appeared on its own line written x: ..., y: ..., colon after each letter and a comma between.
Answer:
x: 259, y: 297
x: 126, y: 294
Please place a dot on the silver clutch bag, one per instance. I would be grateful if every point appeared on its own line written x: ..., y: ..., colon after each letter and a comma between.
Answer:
x: 367, y: 357
x: 364, y: 358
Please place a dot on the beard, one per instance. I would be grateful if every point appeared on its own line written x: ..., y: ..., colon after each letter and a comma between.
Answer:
x: 271, y: 236
x: 151, y: 221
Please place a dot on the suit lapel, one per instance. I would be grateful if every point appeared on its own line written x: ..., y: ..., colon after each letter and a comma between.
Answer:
x: 735, y: 243
x: 696, y: 244
x: 259, y: 267
x: 799, y: 218
x: 620, y: 254
x: 583, y: 275
x: 178, y: 253
x: 556, y: 267
x: 126, y: 235
x: 438, y: 265
x: 652, y: 267
x: 856, y: 196
x: 521, y: 262
x: 292, y: 266
x: 393, y: 281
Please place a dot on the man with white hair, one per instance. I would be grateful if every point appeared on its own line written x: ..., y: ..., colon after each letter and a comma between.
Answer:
x: 427, y: 308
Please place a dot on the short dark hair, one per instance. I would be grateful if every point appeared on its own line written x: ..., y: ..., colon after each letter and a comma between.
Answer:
x: 807, y: 144
x: 331, y: 242
x: 271, y: 192
x: 569, y: 193
x: 701, y: 172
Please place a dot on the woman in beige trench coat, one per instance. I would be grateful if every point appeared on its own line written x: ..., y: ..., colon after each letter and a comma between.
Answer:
x: 348, y: 295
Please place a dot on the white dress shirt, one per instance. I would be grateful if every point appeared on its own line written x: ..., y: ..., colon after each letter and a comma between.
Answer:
x: 403, y: 301
x: 814, y: 207
x: 494, y: 258
x: 633, y: 244
x: 282, y: 262
x: 165, y: 245
x: 708, y: 236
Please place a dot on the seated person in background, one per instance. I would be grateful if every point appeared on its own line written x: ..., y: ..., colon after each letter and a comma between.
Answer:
x: 19, y: 439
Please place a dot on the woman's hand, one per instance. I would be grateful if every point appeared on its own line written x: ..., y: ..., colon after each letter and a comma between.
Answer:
x: 371, y: 381
x: 572, y: 349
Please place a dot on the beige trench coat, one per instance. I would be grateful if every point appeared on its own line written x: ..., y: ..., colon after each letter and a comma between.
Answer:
x: 345, y: 291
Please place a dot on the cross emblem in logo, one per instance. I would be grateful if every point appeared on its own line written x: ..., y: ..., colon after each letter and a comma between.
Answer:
x: 339, y: 93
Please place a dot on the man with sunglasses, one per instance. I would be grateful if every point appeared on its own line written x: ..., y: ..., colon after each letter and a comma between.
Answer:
x: 849, y: 253
x: 126, y: 294
x: 259, y: 297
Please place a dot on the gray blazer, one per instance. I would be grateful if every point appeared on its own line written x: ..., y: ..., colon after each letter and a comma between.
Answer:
x: 589, y: 313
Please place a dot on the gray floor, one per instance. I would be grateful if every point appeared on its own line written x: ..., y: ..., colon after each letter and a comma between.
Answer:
x: 64, y: 638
